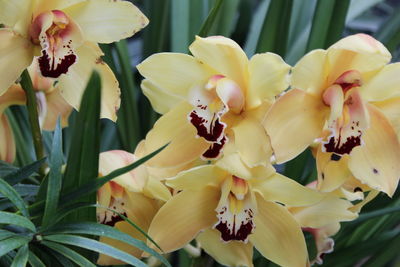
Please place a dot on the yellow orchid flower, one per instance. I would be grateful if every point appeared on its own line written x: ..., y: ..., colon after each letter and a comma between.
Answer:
x: 14, y: 96
x: 332, y: 99
x: 132, y: 194
x: 209, y: 99
x: 230, y: 208
x: 62, y: 36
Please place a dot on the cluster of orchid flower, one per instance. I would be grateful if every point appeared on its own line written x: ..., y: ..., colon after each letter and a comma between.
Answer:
x: 227, y: 120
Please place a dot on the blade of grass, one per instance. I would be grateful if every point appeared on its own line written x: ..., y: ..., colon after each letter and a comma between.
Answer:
x: 128, y: 115
x: 9, y: 192
x: 180, y: 26
x: 35, y: 261
x: 320, y: 25
x: 24, y: 172
x: 21, y: 259
x: 389, y: 33
x: 83, y: 159
x: 211, y: 18
x: 256, y: 27
x: 55, y: 176
x: 96, y: 246
x: 275, y: 31
x: 12, y: 243
x: 337, y: 22
x: 106, y: 231
x: 14, y: 219
x: 69, y: 253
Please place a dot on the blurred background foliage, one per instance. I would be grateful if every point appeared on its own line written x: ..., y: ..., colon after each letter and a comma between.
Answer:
x: 289, y: 28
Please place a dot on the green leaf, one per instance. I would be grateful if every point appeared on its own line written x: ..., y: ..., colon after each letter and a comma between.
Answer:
x: 275, y: 31
x: 337, y: 22
x: 12, y: 243
x: 107, y: 231
x: 83, y: 159
x: 211, y: 18
x: 35, y: 261
x: 11, y: 218
x: 24, y: 172
x: 4, y: 234
x: 69, y: 253
x: 55, y: 176
x: 96, y: 246
x: 320, y: 26
x: 180, y: 25
x: 128, y: 115
x: 388, y: 33
x: 64, y: 261
x: 385, y: 254
x: 21, y: 259
x: 9, y: 192
x: 374, y: 214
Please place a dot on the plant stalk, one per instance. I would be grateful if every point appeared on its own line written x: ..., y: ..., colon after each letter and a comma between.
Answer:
x: 31, y: 104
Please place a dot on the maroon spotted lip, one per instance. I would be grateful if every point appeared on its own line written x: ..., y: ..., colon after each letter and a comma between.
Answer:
x: 48, y: 67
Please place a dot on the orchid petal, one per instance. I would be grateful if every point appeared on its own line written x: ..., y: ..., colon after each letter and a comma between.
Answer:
x: 73, y: 84
x: 359, y: 52
x: 330, y: 209
x: 310, y: 72
x: 376, y: 163
x: 56, y: 107
x: 233, y: 253
x: 293, y: 122
x: 383, y: 85
x: 197, y: 178
x: 175, y: 129
x: 278, y: 236
x: 174, y: 73
x: 16, y: 55
x: 161, y: 100
x: 112, y: 160
x: 252, y: 142
x: 185, y: 215
x: 223, y: 55
x: 104, y: 21
x: 268, y: 78
x: 279, y: 188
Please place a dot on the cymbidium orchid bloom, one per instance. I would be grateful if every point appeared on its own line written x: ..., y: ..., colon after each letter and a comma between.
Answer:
x: 62, y: 36
x: 230, y: 208
x: 131, y: 194
x: 209, y: 99
x: 332, y: 100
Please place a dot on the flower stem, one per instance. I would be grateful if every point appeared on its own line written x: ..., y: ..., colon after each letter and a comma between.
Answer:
x: 26, y: 84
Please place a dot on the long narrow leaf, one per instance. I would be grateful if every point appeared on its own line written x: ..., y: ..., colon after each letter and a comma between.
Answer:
x: 206, y: 27
x: 336, y: 25
x: 14, y: 219
x: 128, y: 115
x: 275, y: 32
x: 83, y: 159
x: 96, y: 246
x: 106, y: 231
x: 69, y: 253
x: 35, y: 261
x: 180, y: 25
x: 12, y: 243
x: 9, y: 192
x: 21, y: 259
x: 320, y: 25
x: 24, y: 172
x: 4, y: 234
x: 55, y: 176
